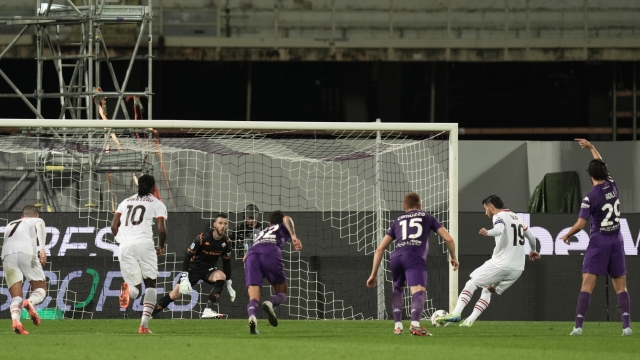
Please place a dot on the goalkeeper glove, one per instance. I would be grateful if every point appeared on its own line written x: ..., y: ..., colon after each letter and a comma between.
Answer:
x: 232, y: 292
x: 185, y: 285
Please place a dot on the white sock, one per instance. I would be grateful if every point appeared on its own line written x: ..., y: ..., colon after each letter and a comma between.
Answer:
x: 16, y: 308
x: 150, y: 298
x: 415, y: 323
x: 133, y: 292
x: 37, y: 296
x: 465, y: 297
x: 481, y: 305
x: 398, y: 325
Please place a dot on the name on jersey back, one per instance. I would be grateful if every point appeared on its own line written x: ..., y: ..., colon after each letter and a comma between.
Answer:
x: 146, y: 198
x: 420, y: 213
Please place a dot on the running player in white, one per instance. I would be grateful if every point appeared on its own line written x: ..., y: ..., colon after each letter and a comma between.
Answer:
x: 132, y: 227
x: 20, y: 254
x: 505, y: 266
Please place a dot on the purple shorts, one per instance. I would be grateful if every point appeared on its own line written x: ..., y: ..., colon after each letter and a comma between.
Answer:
x: 602, y: 259
x: 258, y: 266
x: 410, y: 269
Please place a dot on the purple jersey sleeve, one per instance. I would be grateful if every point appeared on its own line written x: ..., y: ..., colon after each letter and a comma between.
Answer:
x: 585, y: 208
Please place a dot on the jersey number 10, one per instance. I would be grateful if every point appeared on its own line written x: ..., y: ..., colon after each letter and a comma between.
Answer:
x: 132, y: 212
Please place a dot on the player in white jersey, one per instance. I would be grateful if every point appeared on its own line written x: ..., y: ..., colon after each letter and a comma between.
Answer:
x: 24, y: 241
x: 132, y: 226
x: 505, y: 266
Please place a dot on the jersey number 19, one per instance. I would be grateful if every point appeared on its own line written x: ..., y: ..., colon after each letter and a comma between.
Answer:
x: 518, y: 234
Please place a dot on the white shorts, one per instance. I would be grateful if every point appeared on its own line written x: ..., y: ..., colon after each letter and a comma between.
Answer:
x: 491, y: 275
x: 137, y: 262
x: 19, y: 265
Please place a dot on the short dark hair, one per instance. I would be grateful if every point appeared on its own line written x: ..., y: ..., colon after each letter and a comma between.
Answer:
x: 412, y: 200
x: 598, y: 169
x: 219, y: 216
x: 30, y: 210
x: 493, y: 200
x: 146, y: 183
x: 276, y: 217
x: 251, y: 211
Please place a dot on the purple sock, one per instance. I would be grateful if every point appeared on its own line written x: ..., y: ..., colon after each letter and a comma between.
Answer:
x: 252, y: 308
x: 583, y: 305
x: 278, y: 299
x: 417, y: 305
x: 396, y: 303
x: 625, y: 308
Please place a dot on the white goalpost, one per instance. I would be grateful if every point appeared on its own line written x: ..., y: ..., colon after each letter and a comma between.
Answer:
x: 342, y: 183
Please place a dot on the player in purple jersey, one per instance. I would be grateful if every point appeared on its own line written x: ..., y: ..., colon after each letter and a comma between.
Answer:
x: 605, y: 253
x: 264, y: 260
x: 408, y: 260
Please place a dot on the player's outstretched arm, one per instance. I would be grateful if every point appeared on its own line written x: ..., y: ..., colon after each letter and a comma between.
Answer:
x: 533, y: 254
x: 162, y: 235
x: 41, y: 233
x: 451, y: 246
x: 115, y: 224
x: 579, y: 225
x: 288, y: 223
x: 377, y: 259
x: 498, y: 229
x: 586, y: 144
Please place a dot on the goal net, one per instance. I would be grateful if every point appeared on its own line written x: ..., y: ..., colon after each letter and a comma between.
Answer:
x: 343, y: 184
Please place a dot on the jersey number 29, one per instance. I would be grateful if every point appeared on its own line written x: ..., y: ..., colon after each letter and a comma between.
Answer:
x: 611, y: 210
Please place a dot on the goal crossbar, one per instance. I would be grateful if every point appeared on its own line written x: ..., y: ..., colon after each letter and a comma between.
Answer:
x: 258, y: 125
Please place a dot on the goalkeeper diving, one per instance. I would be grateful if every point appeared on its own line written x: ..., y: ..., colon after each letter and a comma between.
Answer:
x: 200, y: 264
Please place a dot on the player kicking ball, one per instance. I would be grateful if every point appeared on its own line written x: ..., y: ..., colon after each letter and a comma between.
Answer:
x: 131, y: 225
x: 605, y: 253
x: 20, y: 259
x: 264, y: 260
x: 505, y: 266
x: 408, y: 260
x: 200, y: 262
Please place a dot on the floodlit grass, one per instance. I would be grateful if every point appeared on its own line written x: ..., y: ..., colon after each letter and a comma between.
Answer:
x: 292, y: 340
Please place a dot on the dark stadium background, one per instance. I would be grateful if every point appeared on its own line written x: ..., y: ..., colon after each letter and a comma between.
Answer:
x: 472, y: 94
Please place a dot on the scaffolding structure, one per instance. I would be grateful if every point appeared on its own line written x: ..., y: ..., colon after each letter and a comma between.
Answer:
x: 77, y: 92
x: 80, y: 98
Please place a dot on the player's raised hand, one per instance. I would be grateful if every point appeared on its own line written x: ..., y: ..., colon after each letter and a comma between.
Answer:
x: 372, y: 282
x: 484, y: 232
x: 297, y: 244
x: 160, y: 250
x: 455, y: 264
x: 534, y: 255
x: 584, y: 143
x: 185, y: 285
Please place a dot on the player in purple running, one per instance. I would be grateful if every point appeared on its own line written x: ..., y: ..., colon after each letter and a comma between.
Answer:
x: 605, y: 253
x: 408, y: 260
x: 264, y: 260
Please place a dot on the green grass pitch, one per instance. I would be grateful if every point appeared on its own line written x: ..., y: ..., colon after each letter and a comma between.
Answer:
x: 292, y: 340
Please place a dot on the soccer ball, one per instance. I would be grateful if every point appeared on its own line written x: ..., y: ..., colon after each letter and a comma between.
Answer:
x: 436, y: 315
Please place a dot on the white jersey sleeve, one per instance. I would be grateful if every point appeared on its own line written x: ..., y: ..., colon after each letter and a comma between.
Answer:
x: 137, y: 217
x: 509, y: 251
x: 20, y: 236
